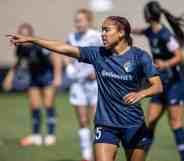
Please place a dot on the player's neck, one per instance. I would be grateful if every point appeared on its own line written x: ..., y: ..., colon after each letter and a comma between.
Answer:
x: 121, y: 48
x: 156, y: 27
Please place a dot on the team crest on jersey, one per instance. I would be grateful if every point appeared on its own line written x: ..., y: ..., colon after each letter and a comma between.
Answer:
x: 128, y: 67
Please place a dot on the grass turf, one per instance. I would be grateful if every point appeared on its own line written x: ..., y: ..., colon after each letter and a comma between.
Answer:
x: 15, y: 123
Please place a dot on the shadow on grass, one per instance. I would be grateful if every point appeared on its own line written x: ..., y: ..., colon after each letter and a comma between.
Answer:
x: 9, y: 141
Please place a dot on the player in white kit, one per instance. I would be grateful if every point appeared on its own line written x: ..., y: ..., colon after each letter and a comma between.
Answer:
x: 83, y: 91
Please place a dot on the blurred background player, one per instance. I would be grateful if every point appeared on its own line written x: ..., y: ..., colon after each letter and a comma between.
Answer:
x: 45, y: 77
x: 167, y: 58
x: 83, y: 91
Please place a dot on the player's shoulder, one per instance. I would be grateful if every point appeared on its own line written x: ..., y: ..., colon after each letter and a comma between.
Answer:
x: 165, y: 30
x: 93, y: 33
x: 140, y: 53
x: 147, y: 31
x: 165, y: 33
x: 98, y: 50
x: 71, y: 35
x: 138, y: 50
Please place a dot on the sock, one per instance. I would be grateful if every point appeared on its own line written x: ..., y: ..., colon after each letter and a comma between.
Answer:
x: 51, y: 120
x: 85, y: 143
x: 151, y: 136
x: 36, y: 121
x: 179, y: 137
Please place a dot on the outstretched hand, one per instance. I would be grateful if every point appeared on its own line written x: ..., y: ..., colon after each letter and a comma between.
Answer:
x: 18, y: 39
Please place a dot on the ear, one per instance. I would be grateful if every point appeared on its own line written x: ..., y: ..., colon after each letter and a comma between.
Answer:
x: 122, y: 34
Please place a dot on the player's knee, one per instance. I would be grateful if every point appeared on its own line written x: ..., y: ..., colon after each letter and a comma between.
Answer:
x: 152, y: 121
x: 83, y: 122
x: 48, y: 103
x: 34, y: 105
x: 175, y: 122
x: 100, y: 158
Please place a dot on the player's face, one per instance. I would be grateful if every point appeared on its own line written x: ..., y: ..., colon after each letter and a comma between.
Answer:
x: 111, y: 36
x: 81, y: 23
x: 25, y: 31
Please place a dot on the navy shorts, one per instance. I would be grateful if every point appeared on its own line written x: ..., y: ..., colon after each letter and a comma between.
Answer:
x: 130, y: 138
x: 172, y: 95
x: 41, y: 80
x: 180, y: 91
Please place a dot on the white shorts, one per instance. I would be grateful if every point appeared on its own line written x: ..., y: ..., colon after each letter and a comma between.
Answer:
x: 83, y: 94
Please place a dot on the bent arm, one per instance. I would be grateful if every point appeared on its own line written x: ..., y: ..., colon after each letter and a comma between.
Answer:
x: 174, y: 48
x: 57, y: 64
x: 155, y: 87
x: 176, y: 59
x: 57, y: 69
x: 8, y: 80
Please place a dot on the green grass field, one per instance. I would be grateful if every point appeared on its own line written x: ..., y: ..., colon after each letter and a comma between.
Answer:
x: 14, y: 124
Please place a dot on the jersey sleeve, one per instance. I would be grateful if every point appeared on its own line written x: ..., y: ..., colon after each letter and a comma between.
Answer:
x: 170, y: 40
x: 149, y: 69
x: 89, y: 54
x: 172, y: 44
x: 146, y: 31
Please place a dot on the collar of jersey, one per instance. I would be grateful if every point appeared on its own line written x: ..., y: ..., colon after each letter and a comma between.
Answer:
x: 123, y: 52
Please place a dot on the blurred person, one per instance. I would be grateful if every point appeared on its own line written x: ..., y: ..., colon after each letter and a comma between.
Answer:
x: 167, y: 55
x: 119, y: 68
x: 83, y: 91
x: 45, y: 77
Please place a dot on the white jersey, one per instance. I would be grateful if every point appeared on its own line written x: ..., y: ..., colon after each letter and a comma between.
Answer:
x: 79, y: 71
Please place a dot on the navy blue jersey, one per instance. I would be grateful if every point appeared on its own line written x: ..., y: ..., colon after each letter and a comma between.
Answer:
x: 162, y: 45
x: 38, y: 61
x: 116, y: 77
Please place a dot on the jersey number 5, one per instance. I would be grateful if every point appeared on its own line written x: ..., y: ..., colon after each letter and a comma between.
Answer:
x: 98, y: 133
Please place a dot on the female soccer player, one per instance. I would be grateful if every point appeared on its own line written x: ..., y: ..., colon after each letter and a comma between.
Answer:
x: 119, y: 69
x: 167, y: 58
x: 83, y: 91
x: 45, y: 76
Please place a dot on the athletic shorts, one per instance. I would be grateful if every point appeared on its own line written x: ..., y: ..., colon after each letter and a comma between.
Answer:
x: 130, y: 138
x: 172, y: 95
x: 180, y: 91
x: 41, y: 80
x: 83, y: 93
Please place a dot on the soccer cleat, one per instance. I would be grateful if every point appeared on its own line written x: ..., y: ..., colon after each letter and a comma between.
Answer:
x: 50, y: 140
x: 34, y: 139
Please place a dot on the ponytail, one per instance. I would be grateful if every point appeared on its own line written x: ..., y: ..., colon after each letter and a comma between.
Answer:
x: 177, y: 24
x: 129, y: 40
